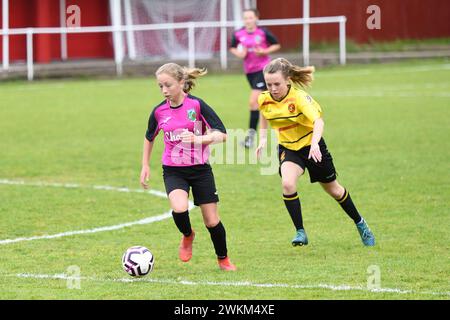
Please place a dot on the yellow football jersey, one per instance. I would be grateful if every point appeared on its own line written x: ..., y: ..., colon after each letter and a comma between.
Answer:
x: 292, y: 118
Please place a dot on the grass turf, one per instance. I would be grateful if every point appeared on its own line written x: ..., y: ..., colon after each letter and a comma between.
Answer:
x: 385, y: 125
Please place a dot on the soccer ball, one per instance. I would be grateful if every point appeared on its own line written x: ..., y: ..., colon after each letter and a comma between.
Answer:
x: 137, y: 261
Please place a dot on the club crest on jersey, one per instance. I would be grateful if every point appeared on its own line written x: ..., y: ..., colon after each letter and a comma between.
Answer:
x: 291, y: 108
x: 258, y: 39
x: 192, y: 115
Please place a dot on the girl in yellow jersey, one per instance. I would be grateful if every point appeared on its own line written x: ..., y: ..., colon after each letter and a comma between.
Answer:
x: 297, y: 119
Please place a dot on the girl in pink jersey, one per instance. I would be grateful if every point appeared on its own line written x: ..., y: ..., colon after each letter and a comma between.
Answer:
x: 253, y: 44
x: 189, y: 126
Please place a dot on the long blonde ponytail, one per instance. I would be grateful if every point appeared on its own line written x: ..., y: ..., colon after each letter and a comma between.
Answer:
x: 302, y: 76
x: 182, y: 73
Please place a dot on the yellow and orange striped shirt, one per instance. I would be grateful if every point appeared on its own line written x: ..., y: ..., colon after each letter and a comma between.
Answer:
x: 292, y: 118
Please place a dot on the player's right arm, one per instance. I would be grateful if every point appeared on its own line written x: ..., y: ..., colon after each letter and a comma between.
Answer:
x: 237, y: 49
x: 146, y: 154
x: 263, y: 124
x: 262, y: 135
x: 150, y: 134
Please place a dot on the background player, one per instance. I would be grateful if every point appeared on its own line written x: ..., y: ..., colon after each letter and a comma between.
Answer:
x: 297, y: 119
x: 253, y: 44
x: 189, y: 126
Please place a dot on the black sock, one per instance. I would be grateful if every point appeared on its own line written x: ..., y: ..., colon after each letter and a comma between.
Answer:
x: 347, y: 204
x: 182, y: 221
x: 254, y: 118
x: 294, y: 208
x: 219, y: 239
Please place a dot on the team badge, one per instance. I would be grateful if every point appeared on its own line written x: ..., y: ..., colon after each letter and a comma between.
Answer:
x: 258, y: 39
x: 291, y: 108
x: 192, y: 115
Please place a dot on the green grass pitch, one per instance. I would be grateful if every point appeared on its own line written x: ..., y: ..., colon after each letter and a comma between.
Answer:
x: 387, y: 127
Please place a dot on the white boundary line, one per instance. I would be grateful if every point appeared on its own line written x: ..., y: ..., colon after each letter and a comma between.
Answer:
x: 79, y: 186
x: 363, y: 71
x: 147, y: 220
x: 229, y: 284
x: 382, y: 94
x: 397, y: 70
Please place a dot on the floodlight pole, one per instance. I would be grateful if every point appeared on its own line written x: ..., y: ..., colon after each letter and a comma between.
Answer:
x: 5, y: 27
x: 306, y: 32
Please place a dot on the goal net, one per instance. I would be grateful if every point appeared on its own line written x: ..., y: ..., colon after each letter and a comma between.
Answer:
x: 174, y: 43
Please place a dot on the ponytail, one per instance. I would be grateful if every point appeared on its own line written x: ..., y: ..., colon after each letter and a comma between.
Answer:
x: 301, y: 76
x: 182, y: 73
x: 190, y: 74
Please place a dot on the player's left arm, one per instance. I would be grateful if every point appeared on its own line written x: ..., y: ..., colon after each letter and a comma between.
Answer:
x: 313, y: 112
x: 314, y: 151
x: 266, y: 51
x: 273, y: 44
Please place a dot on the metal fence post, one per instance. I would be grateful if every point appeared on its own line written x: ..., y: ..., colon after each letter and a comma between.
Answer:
x: 30, y: 67
x: 191, y: 45
x: 306, y: 32
x: 5, y: 27
x: 342, y: 48
x: 223, y: 35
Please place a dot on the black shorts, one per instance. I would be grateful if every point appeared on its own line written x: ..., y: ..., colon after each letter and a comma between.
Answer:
x: 322, y: 171
x: 199, y: 177
x: 256, y: 80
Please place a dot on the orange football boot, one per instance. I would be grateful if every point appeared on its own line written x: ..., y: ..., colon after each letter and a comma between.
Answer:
x: 185, y: 249
x: 225, y: 264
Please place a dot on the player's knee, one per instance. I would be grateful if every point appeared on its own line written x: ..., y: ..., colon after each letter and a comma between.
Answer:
x: 288, y: 186
x: 336, y: 191
x: 211, y: 224
x: 180, y: 207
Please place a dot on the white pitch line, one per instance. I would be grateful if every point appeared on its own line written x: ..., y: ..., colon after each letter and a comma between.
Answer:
x: 381, y: 94
x: 344, y: 287
x: 79, y: 186
x: 365, y: 72
x: 147, y: 220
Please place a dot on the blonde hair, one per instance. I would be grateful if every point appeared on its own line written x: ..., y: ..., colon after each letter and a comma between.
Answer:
x: 182, y: 73
x: 302, y: 76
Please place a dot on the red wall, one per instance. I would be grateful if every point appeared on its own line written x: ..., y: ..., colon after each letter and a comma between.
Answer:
x: 400, y: 19
x: 45, y: 13
x: 416, y: 19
